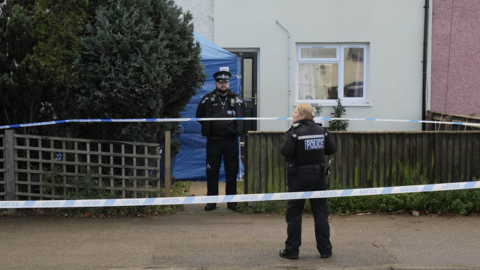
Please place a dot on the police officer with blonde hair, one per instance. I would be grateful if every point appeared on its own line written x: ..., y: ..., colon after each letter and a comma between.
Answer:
x: 304, y: 146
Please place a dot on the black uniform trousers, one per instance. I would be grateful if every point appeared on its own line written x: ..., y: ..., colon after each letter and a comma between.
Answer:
x: 307, y: 179
x: 228, y: 150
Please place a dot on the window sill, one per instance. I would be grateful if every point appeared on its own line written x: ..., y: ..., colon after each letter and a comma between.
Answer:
x: 333, y: 103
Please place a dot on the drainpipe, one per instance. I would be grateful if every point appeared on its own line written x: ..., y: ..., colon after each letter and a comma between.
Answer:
x: 288, y: 64
x: 425, y: 55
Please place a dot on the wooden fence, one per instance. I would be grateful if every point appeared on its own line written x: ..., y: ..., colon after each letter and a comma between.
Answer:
x: 448, y: 117
x: 52, y: 168
x: 3, y: 191
x: 372, y: 159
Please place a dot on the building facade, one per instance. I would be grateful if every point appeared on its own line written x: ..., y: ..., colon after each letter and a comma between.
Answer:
x: 456, y: 57
x: 368, y: 53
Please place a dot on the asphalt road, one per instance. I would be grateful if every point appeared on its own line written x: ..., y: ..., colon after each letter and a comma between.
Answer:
x: 222, y: 239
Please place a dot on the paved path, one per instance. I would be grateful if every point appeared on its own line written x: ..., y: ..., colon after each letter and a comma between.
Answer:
x: 222, y: 239
x: 200, y: 189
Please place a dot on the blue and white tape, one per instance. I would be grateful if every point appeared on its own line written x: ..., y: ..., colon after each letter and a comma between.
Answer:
x: 139, y: 120
x: 240, y: 198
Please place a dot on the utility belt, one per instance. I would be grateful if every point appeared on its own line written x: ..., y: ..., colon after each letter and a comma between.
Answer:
x: 220, y: 138
x: 292, y: 167
x: 324, y: 168
x: 310, y: 166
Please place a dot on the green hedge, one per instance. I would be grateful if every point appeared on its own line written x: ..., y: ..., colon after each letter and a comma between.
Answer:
x: 462, y: 202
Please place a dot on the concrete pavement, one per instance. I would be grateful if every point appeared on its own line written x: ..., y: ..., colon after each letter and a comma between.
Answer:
x: 222, y: 239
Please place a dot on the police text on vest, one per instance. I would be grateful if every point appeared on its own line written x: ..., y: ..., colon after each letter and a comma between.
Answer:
x: 314, y: 144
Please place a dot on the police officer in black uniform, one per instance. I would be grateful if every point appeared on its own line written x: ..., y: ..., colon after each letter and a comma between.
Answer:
x: 304, y: 146
x: 222, y: 136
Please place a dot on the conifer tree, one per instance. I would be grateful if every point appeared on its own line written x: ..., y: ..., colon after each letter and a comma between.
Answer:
x: 139, y: 60
x: 59, y: 27
x: 338, y: 112
x: 21, y: 83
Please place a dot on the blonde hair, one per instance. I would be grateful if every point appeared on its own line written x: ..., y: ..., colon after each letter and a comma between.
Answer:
x: 306, y: 110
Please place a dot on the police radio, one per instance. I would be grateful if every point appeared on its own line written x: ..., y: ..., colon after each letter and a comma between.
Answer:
x: 326, y: 170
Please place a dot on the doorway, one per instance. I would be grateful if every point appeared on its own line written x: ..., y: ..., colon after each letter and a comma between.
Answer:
x: 248, y: 88
x: 248, y: 91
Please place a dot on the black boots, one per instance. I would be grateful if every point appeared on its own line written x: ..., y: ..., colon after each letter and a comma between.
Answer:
x: 232, y: 206
x: 288, y: 255
x: 326, y: 255
x: 210, y: 206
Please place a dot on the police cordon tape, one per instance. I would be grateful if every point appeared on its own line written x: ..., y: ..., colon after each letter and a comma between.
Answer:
x: 140, y: 120
x: 240, y: 198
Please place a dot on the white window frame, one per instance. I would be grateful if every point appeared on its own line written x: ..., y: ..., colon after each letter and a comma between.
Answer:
x: 346, y: 101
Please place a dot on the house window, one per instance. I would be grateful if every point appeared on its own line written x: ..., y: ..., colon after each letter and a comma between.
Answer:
x: 321, y: 69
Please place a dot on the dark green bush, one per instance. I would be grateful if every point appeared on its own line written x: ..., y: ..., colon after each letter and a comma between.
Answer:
x: 461, y: 202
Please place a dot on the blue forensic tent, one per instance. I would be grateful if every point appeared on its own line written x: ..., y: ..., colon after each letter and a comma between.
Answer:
x: 190, y: 163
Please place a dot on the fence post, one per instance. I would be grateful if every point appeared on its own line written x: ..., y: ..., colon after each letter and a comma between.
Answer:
x: 449, y: 119
x: 245, y: 166
x: 430, y: 118
x: 167, y: 163
x: 10, y: 166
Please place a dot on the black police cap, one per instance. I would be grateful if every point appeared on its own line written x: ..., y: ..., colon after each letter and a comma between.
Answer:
x: 222, y: 75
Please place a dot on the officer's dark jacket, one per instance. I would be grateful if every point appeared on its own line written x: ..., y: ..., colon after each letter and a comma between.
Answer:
x: 211, y: 106
x: 307, y: 143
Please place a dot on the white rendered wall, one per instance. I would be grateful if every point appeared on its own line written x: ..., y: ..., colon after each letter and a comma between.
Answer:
x: 202, y: 11
x: 393, y: 30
